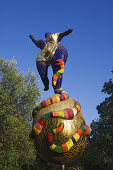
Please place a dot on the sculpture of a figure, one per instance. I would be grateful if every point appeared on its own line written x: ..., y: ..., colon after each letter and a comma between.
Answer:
x: 59, y: 129
x: 54, y: 54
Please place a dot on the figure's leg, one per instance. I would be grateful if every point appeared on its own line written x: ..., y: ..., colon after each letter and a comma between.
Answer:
x: 58, y: 62
x: 43, y: 70
x: 59, y: 82
x: 58, y: 69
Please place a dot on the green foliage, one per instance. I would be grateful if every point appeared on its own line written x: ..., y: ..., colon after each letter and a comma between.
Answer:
x: 19, y: 94
x: 99, y: 152
x: 17, y: 151
x: 102, y: 130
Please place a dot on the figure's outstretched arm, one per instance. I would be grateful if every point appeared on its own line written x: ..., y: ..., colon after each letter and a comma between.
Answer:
x: 61, y: 35
x: 36, y: 42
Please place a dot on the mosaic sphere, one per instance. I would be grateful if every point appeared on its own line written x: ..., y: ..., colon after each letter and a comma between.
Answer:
x: 70, y: 127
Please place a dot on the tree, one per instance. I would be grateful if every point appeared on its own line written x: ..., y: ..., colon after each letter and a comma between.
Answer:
x: 99, y: 152
x: 19, y: 94
x: 102, y: 130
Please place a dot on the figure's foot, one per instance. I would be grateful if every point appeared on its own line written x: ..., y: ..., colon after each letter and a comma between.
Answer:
x: 60, y: 91
x: 46, y: 88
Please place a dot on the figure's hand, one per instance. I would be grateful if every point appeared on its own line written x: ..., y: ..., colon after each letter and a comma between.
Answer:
x: 31, y: 36
x: 71, y: 30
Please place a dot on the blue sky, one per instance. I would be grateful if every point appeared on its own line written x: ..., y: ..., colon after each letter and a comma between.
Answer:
x: 90, y: 59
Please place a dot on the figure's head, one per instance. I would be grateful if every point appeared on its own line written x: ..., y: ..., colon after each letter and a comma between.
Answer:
x: 47, y: 34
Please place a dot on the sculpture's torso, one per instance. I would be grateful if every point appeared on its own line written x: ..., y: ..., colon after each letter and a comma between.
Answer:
x: 50, y: 49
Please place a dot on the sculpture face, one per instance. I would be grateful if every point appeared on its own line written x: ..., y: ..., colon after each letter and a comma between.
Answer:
x: 47, y: 34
